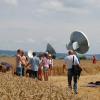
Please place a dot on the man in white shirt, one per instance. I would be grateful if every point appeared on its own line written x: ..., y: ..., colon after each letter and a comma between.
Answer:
x: 69, y: 62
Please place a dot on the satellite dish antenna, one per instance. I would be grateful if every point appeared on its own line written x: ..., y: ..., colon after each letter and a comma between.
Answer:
x: 30, y: 53
x: 51, y: 50
x: 78, y: 42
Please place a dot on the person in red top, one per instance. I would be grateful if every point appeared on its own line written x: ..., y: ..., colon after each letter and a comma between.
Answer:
x: 40, y: 71
x: 94, y: 59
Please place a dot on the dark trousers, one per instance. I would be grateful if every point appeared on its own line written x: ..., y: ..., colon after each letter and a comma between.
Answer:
x: 32, y: 73
x: 35, y: 74
x: 70, y: 77
x: 29, y: 72
x: 23, y: 71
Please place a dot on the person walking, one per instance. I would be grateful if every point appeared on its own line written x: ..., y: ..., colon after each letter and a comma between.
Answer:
x: 69, y: 61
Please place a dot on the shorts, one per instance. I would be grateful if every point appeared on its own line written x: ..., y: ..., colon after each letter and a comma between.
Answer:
x: 50, y: 66
x: 45, y: 69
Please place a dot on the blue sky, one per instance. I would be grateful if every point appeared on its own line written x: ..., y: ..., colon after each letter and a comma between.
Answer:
x: 31, y: 24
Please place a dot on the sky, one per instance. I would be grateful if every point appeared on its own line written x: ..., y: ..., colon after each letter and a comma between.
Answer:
x: 31, y: 24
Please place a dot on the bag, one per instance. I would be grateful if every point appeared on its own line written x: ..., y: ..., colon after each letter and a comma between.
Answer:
x: 76, y: 69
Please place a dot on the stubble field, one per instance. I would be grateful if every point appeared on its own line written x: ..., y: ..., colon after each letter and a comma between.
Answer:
x: 24, y: 88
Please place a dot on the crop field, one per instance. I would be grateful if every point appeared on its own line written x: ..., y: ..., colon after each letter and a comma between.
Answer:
x: 24, y: 88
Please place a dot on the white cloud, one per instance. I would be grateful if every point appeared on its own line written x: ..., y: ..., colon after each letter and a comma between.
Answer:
x: 48, y: 6
x: 26, y: 40
x: 49, y: 39
x: 65, y: 6
x: 30, y: 40
x: 19, y: 41
x: 96, y: 3
x: 57, y: 18
x: 53, y: 5
x: 11, y: 2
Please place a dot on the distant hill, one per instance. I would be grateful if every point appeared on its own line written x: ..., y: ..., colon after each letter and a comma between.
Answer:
x: 89, y: 56
x: 7, y: 53
x: 58, y: 55
x: 13, y: 53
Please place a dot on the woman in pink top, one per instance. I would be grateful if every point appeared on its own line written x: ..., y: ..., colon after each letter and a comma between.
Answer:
x: 45, y: 63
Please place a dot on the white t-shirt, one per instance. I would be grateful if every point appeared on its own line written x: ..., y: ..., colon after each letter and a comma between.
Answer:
x: 51, y: 62
x: 69, y: 61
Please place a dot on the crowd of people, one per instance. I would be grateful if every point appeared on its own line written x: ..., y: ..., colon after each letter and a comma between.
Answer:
x: 35, y: 67
x: 41, y: 65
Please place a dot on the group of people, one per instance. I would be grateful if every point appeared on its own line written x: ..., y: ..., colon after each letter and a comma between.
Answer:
x: 39, y: 66
x: 35, y: 67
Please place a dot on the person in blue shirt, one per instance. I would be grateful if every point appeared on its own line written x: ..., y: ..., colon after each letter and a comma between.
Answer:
x: 35, y: 62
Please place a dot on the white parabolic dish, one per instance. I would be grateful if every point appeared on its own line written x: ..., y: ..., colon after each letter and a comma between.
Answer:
x: 30, y: 52
x: 78, y: 42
